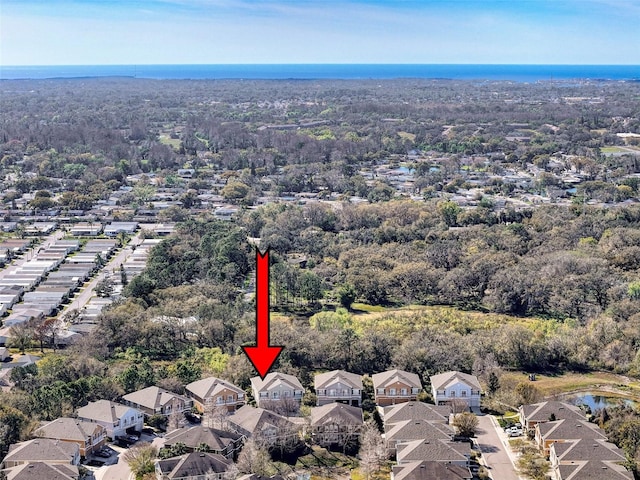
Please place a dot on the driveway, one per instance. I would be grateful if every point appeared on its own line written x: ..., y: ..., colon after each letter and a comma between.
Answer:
x: 494, y: 447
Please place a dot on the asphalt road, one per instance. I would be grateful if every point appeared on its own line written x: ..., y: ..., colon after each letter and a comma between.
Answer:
x: 493, y: 444
x: 111, y: 268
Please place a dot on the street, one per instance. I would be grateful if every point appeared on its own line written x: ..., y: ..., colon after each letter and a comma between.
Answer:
x: 493, y: 445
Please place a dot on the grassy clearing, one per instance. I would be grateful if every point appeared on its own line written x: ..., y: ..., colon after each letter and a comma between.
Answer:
x: 407, y: 136
x: 405, y: 321
x: 167, y: 140
x: 606, y: 150
x: 571, y: 382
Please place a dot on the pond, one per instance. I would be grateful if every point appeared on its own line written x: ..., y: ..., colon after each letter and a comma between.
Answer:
x: 597, y: 400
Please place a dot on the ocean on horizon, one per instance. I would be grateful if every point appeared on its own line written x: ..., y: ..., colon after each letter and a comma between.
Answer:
x: 517, y: 73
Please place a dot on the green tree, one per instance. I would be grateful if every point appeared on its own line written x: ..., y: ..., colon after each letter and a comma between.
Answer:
x: 141, y: 459
x: 493, y: 383
x: 346, y: 295
x: 310, y: 287
x: 449, y: 212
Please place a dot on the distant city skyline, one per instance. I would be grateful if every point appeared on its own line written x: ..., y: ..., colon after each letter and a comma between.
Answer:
x: 128, y: 32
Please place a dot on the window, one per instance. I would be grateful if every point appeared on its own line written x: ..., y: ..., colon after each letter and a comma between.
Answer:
x: 230, y: 398
x: 452, y: 393
x: 403, y: 391
x: 463, y: 393
x: 392, y: 391
x: 381, y: 391
x: 219, y: 400
x: 322, y: 392
x: 355, y: 392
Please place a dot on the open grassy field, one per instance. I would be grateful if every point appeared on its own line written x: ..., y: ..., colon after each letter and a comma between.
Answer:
x: 574, y: 382
x: 404, y: 321
x: 167, y: 140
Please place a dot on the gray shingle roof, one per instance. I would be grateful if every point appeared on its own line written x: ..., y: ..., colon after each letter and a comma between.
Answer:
x: 429, y: 470
x: 273, y: 379
x: 436, y: 450
x: 416, y: 430
x: 152, y: 397
x: 217, y: 440
x: 540, y: 412
x: 250, y: 419
x: 68, y: 429
x: 594, y: 470
x: 208, y: 387
x: 42, y: 450
x: 381, y: 380
x: 442, y: 380
x: 322, y: 380
x: 569, y: 430
x: 103, y: 411
x: 588, y: 449
x: 416, y: 411
x: 193, y: 464
x: 42, y: 471
x: 336, y: 413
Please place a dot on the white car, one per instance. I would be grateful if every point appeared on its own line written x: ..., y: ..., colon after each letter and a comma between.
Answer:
x: 514, y: 432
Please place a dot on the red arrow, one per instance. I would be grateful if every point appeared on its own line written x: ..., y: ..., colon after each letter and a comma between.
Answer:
x: 262, y: 355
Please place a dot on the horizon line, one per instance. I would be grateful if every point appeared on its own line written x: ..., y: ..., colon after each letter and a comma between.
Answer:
x: 322, y: 63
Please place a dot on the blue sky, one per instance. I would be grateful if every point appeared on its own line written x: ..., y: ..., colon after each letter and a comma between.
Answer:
x: 90, y: 32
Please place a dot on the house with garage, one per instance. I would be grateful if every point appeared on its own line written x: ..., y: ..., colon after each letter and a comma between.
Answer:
x: 395, y: 386
x: 193, y: 466
x: 157, y: 401
x: 531, y: 415
x: 117, y: 419
x: 42, y: 450
x: 90, y: 437
x: 222, y: 442
x: 212, y: 392
x: 337, y: 425
x: 277, y: 391
x: 449, y: 387
x: 338, y: 386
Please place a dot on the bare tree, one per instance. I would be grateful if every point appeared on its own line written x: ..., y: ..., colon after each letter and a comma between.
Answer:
x: 466, y: 423
x: 458, y: 406
x: 215, y: 416
x: 372, y: 450
x: 254, y: 458
x: 173, y: 421
x: 285, y: 406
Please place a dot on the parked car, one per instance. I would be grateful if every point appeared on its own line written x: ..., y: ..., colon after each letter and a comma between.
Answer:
x: 103, y: 453
x: 515, y: 432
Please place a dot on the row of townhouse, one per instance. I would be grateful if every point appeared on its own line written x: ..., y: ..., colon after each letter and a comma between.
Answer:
x: 576, y: 448
x: 418, y: 436
x: 336, y: 421
x: 390, y: 388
